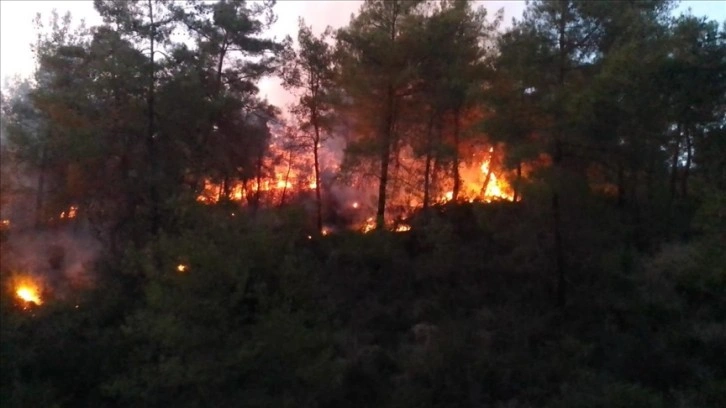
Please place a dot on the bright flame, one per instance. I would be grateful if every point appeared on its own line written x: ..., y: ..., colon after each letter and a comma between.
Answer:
x: 284, y: 177
x: 182, y: 268
x: 325, y: 231
x: 369, y: 225
x: 29, y: 293
x: 473, y: 185
x: 403, y: 228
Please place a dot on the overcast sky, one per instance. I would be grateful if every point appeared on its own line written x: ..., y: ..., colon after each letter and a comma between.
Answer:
x: 17, y: 32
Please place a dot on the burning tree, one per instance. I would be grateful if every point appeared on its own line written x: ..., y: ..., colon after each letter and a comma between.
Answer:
x: 376, y: 70
x: 310, y: 73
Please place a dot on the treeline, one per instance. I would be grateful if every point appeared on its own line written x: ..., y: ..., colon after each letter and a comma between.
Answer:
x: 123, y: 118
x: 602, y: 283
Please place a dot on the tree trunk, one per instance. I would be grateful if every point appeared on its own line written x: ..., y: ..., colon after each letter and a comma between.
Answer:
x: 226, y: 187
x: 674, y: 163
x: 39, y: 218
x: 457, y: 177
x: 150, y: 142
x: 385, y: 154
x: 559, y: 250
x: 427, y: 170
x: 258, y: 190
x: 518, y: 182
x: 488, y: 177
x: 557, y: 162
x: 385, y: 159
x: 687, y: 167
x: 318, y: 200
x: 287, y: 178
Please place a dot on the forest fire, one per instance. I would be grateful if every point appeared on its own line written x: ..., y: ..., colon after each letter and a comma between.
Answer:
x: 275, y: 188
x: 479, y: 182
x: 29, y: 292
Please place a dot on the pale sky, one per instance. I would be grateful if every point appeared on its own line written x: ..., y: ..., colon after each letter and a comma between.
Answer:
x: 17, y: 31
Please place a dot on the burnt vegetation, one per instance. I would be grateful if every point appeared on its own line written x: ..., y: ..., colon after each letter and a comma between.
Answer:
x: 450, y: 214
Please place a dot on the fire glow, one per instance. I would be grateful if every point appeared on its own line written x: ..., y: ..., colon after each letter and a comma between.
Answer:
x: 479, y: 183
x: 29, y: 292
x: 285, y: 178
x: 71, y: 213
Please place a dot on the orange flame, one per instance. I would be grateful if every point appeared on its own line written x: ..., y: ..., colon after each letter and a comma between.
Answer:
x: 369, y: 225
x: 285, y: 177
x: 29, y: 292
x: 71, y: 213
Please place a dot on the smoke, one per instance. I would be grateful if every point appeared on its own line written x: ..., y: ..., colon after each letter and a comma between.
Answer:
x: 59, y: 253
x: 62, y: 259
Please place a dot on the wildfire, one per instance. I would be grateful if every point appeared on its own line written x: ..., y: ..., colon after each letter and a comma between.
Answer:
x: 29, y: 292
x: 369, y: 225
x: 480, y: 183
x: 239, y: 191
x: 284, y: 177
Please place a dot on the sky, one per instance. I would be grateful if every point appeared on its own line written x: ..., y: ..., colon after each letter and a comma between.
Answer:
x: 17, y: 31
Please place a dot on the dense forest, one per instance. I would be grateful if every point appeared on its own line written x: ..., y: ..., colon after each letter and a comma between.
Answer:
x: 454, y: 212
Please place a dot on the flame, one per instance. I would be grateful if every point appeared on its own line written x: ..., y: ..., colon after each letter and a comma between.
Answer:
x: 325, y: 231
x: 182, y: 268
x: 286, y: 176
x: 369, y: 225
x: 29, y: 292
x: 71, y: 213
x: 4, y: 224
x: 403, y: 228
x: 213, y: 192
x: 473, y: 189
